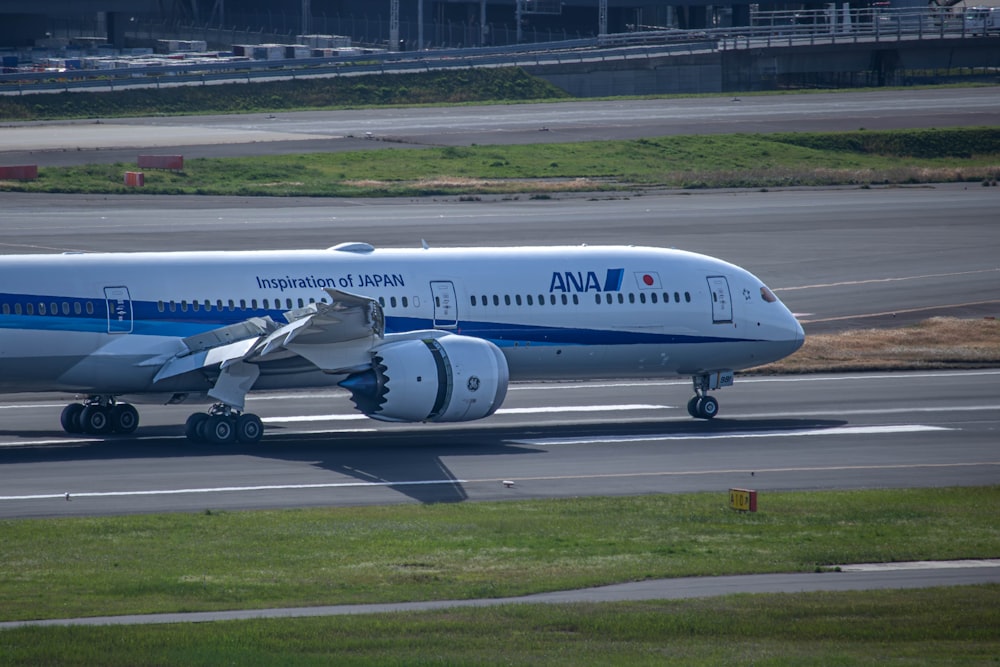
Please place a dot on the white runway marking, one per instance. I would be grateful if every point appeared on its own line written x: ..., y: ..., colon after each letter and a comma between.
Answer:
x: 920, y: 565
x: 555, y: 409
x: 797, y: 433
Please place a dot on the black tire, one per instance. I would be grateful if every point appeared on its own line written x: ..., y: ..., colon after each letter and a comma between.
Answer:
x: 124, y: 419
x: 249, y: 429
x: 693, y: 407
x: 192, y: 427
x: 95, y: 420
x: 708, y: 407
x: 70, y: 418
x: 220, y: 429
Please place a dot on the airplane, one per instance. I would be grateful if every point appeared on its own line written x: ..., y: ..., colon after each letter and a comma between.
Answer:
x: 415, y: 335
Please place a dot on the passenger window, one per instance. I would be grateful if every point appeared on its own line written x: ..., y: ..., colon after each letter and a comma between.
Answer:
x: 76, y: 308
x: 30, y: 309
x: 653, y: 297
x: 17, y: 309
x: 677, y: 297
x: 54, y: 308
x: 243, y: 304
x: 597, y: 298
x: 65, y: 308
x: 530, y: 300
x: 496, y: 300
x: 517, y: 299
x: 219, y: 306
x: 687, y: 297
x: 576, y: 300
x: 392, y: 301
x: 6, y: 309
x: 642, y: 297
x: 506, y: 299
x: 608, y: 299
x: 405, y: 301
x: 90, y: 308
x: 565, y: 300
x: 160, y: 306
x: 541, y: 299
x: 195, y: 306
x: 267, y: 304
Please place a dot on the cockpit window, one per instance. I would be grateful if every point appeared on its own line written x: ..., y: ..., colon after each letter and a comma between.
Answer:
x: 767, y: 295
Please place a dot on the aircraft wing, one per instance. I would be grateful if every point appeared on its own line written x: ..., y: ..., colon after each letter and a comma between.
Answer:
x: 335, y: 337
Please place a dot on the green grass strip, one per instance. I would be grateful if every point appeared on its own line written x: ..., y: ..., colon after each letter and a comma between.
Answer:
x: 945, y: 626
x: 52, y: 568
x: 758, y: 161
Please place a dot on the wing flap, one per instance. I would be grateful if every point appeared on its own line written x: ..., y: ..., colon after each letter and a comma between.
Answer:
x: 331, y: 336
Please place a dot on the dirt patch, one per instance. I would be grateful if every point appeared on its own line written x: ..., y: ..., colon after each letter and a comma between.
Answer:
x: 936, y: 343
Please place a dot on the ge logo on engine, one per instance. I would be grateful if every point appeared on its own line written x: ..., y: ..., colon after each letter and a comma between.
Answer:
x: 473, y: 383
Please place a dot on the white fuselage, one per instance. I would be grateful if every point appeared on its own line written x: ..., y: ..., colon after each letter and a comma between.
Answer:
x: 105, y: 323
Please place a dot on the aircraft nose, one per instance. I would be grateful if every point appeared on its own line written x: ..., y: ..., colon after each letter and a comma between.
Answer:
x: 797, y: 336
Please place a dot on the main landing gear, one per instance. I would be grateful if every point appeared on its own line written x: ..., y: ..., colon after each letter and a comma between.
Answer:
x: 701, y: 405
x: 223, y: 425
x: 100, y: 415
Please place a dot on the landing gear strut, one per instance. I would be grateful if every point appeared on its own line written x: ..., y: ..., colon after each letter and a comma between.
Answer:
x: 100, y: 415
x: 223, y: 425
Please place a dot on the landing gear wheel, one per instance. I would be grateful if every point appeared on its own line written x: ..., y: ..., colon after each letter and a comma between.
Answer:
x: 70, y: 418
x: 708, y: 407
x: 124, y: 418
x: 193, y: 427
x: 220, y: 429
x: 96, y: 420
x: 693, y: 406
x: 249, y: 429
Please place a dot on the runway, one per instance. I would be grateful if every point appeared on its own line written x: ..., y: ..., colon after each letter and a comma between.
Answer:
x: 549, y: 440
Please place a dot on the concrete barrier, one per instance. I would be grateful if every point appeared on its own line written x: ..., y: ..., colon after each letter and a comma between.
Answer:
x: 25, y: 172
x: 161, y: 162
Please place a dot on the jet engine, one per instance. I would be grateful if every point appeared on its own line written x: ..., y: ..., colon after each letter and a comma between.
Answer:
x: 448, y: 379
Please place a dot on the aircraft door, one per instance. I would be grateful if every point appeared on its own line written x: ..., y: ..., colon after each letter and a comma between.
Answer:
x: 119, y: 309
x: 445, y: 304
x: 722, y: 305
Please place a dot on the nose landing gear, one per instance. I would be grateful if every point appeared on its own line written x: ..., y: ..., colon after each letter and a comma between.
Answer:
x: 701, y: 405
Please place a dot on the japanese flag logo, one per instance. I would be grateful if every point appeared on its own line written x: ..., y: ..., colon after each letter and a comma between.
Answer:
x: 648, y: 280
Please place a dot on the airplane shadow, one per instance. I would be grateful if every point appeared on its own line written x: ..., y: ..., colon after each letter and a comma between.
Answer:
x: 410, y: 460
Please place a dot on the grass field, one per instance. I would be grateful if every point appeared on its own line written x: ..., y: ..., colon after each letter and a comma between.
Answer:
x: 944, y: 626
x: 745, y: 161
x: 210, y: 561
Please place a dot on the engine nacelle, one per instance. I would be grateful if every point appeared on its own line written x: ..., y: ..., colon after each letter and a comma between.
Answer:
x: 448, y: 379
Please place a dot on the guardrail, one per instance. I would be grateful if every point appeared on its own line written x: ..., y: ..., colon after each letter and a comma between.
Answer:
x: 246, y: 71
